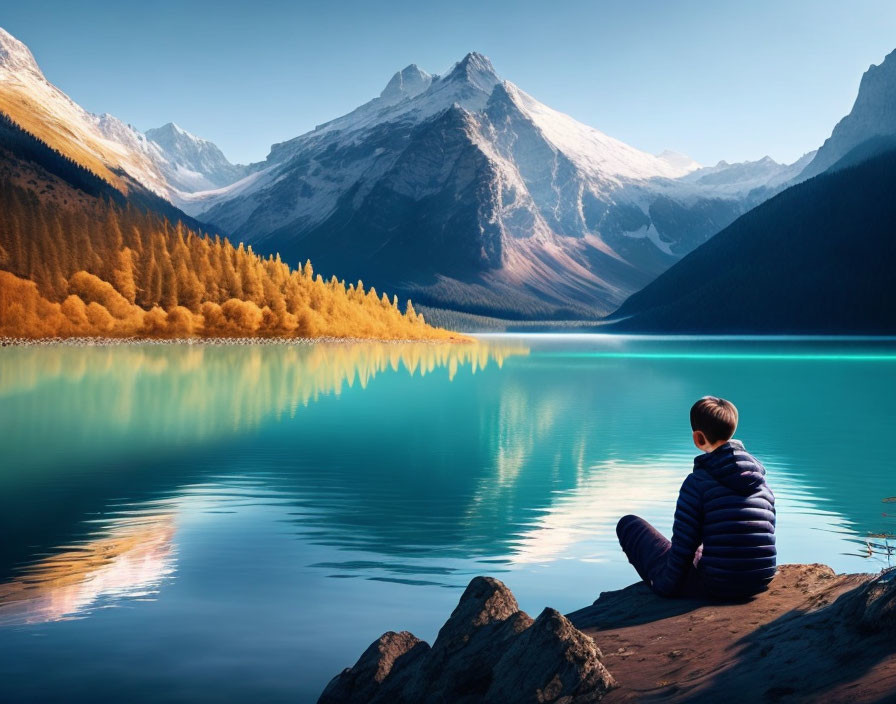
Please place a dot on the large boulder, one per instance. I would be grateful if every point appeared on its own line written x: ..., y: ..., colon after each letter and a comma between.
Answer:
x: 391, y: 652
x: 460, y: 665
x: 551, y: 661
x: 488, y: 651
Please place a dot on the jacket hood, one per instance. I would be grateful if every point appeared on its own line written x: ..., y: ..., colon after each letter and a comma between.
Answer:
x: 732, y: 466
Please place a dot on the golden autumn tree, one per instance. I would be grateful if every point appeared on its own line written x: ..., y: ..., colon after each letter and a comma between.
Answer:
x: 113, y: 270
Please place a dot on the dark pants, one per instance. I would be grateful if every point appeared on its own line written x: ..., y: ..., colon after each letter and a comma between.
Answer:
x: 646, y: 548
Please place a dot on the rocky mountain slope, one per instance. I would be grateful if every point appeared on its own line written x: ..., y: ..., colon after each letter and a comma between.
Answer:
x: 872, y: 116
x: 465, y: 192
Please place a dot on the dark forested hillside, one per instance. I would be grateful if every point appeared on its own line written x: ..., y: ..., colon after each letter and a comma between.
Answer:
x: 820, y: 257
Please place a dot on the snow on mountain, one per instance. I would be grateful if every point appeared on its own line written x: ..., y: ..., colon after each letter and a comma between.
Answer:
x: 465, y: 191
x: 170, y: 167
x: 468, y: 84
x: 407, y: 83
x: 459, y: 189
x: 15, y: 57
x: 873, y: 115
x: 595, y: 153
x: 746, y: 176
x: 191, y: 163
x: 48, y: 113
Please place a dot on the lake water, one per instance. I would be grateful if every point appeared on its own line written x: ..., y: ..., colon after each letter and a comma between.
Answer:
x: 223, y: 523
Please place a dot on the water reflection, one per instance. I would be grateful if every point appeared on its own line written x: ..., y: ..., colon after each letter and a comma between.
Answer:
x: 88, y: 425
x: 581, y: 523
x: 128, y: 561
x: 195, y: 475
x: 89, y: 397
x: 517, y: 466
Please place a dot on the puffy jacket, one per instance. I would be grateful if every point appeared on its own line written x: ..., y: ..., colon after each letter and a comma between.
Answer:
x: 725, y: 505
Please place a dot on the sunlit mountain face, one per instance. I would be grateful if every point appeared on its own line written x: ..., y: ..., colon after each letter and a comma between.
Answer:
x: 464, y: 192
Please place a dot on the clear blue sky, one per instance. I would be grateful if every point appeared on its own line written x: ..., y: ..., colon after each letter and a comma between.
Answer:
x: 715, y: 80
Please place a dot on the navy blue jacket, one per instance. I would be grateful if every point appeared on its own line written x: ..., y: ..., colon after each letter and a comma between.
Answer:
x: 725, y: 505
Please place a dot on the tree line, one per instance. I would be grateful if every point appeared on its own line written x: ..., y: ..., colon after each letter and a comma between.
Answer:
x: 115, y: 269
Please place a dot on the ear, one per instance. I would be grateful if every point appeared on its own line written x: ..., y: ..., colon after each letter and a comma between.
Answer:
x: 700, y: 439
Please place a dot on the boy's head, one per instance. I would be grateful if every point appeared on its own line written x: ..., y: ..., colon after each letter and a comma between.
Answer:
x: 713, y: 421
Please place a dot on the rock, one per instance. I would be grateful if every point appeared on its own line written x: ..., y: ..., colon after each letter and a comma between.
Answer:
x: 875, y: 604
x: 471, y: 641
x: 487, y: 651
x: 360, y: 683
x: 485, y: 601
x: 465, y: 673
x: 552, y: 661
x: 814, y: 635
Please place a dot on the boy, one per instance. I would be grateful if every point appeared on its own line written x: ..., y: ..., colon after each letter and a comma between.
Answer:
x: 723, y: 537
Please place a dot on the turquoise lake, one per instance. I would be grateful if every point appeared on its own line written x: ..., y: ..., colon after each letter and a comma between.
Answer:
x: 237, y: 523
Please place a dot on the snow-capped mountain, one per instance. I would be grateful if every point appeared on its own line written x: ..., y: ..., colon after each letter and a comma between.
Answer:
x: 169, y: 165
x: 464, y: 191
x: 460, y: 190
x: 191, y: 163
x: 48, y: 113
x: 873, y: 116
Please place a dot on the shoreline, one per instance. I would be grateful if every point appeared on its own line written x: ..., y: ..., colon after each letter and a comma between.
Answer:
x: 813, y: 635
x: 460, y: 338
x: 218, y: 341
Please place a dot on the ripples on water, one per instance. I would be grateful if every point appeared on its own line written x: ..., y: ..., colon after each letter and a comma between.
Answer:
x: 277, y: 507
x: 81, y: 403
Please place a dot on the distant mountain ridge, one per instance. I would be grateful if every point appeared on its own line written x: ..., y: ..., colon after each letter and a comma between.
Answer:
x: 816, y: 259
x: 747, y: 176
x: 192, y: 163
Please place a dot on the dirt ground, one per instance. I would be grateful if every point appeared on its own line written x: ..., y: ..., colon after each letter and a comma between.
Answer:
x: 799, y: 641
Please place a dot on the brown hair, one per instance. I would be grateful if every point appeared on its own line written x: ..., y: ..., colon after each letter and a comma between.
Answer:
x: 715, y: 417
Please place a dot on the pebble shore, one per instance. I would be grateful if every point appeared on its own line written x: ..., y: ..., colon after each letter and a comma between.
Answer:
x: 115, y: 341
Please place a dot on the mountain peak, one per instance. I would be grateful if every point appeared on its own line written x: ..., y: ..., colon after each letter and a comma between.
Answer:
x: 407, y: 83
x: 478, y: 61
x: 192, y: 163
x: 14, y: 55
x: 873, y: 115
x: 477, y: 69
x: 169, y: 129
x: 878, y: 83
